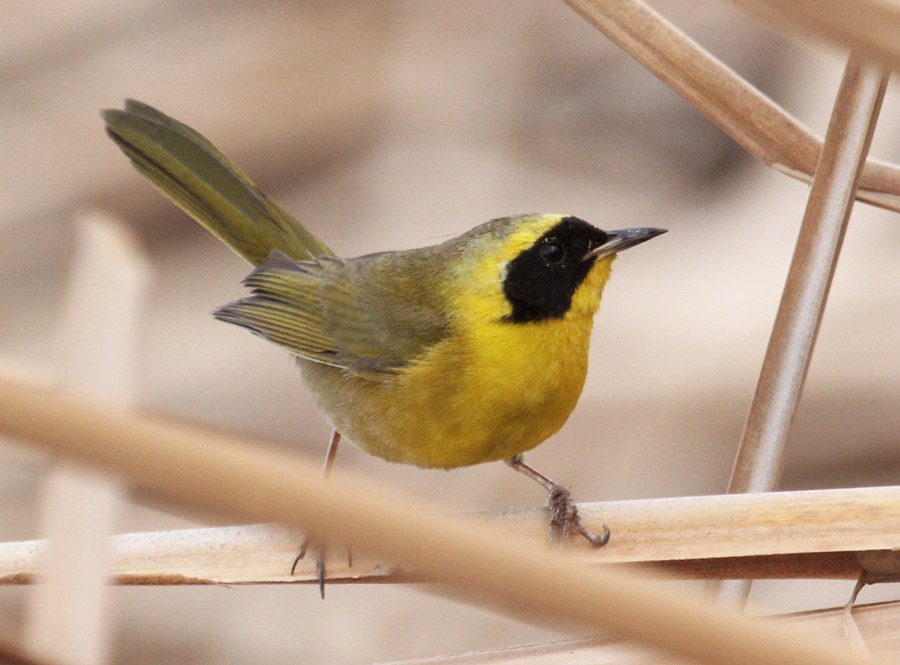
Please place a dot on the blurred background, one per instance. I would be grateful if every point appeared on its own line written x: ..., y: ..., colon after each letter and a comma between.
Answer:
x: 397, y: 123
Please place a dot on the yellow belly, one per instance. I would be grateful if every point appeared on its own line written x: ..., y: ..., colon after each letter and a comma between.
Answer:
x: 500, y: 391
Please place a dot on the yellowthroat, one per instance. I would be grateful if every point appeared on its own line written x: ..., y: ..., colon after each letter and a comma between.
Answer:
x: 470, y: 351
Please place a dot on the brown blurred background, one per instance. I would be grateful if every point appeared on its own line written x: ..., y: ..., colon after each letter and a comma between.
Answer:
x: 396, y: 123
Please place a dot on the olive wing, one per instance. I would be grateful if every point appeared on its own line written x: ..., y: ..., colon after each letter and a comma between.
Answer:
x: 366, y: 315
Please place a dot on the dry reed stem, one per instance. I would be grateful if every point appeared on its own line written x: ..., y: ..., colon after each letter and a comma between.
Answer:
x: 757, y: 467
x: 754, y: 121
x: 879, y: 626
x: 856, y: 109
x: 247, y: 481
x: 69, y: 614
x: 815, y: 534
x: 871, y: 26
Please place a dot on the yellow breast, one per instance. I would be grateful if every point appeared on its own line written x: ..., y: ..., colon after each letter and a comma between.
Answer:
x: 492, y: 390
x: 515, y: 387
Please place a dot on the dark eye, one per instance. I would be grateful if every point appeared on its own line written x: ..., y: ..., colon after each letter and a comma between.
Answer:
x: 552, y: 253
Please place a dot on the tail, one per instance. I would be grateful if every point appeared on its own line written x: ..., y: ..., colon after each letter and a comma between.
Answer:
x: 203, y: 182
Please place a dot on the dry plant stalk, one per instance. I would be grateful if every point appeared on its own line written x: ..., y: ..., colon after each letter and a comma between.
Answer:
x: 754, y: 121
x: 870, y: 26
x: 879, y: 626
x: 796, y: 327
x: 248, y: 481
x: 815, y: 534
x: 69, y: 614
x: 757, y: 467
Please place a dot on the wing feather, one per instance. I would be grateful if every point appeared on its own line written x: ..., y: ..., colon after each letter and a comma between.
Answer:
x: 332, y: 311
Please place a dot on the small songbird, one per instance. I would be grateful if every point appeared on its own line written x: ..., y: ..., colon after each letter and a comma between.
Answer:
x: 473, y: 350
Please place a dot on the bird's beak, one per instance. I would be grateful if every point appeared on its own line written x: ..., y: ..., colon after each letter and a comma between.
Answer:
x: 622, y: 240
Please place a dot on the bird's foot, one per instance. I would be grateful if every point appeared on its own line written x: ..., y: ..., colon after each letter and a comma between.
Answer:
x: 564, y: 518
x: 320, y: 563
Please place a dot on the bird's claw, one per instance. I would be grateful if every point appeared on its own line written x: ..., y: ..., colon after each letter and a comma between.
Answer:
x: 564, y: 517
x: 301, y: 552
x: 320, y: 563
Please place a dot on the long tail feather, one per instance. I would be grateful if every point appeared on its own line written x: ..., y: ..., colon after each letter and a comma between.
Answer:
x: 203, y: 182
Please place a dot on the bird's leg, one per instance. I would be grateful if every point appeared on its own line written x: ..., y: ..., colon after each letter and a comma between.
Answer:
x: 320, y: 549
x: 563, y: 511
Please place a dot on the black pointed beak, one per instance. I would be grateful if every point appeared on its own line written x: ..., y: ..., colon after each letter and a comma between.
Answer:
x: 621, y: 240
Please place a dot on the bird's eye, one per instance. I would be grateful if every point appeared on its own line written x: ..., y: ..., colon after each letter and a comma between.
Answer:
x: 552, y: 253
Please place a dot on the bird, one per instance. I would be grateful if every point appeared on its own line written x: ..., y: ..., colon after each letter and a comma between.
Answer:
x: 469, y: 351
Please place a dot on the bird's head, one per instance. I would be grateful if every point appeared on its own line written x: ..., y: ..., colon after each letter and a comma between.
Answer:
x: 532, y: 268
